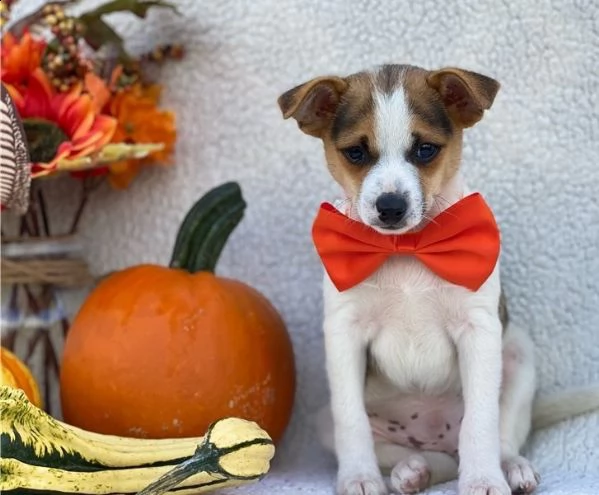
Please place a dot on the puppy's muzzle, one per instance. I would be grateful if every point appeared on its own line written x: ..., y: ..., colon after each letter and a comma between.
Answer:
x: 392, y: 209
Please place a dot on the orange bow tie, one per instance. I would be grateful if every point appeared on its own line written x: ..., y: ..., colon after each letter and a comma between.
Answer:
x: 460, y: 245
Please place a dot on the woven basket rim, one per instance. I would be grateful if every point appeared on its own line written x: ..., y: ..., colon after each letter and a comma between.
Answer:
x: 60, y: 271
x: 40, y: 239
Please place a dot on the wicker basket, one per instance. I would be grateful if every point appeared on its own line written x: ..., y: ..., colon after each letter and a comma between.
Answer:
x: 44, y: 261
x: 34, y: 318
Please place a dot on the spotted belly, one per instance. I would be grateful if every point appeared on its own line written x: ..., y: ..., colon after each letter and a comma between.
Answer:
x: 424, y: 423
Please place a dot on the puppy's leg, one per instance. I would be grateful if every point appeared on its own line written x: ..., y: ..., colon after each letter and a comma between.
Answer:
x: 517, y: 394
x: 414, y: 470
x: 479, y: 352
x: 410, y: 470
x: 358, y: 473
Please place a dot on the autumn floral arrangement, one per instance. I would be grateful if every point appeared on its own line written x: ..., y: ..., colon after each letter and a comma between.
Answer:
x: 88, y: 109
x: 84, y: 100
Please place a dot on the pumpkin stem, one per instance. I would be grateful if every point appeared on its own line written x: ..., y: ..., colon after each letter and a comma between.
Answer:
x: 207, y: 227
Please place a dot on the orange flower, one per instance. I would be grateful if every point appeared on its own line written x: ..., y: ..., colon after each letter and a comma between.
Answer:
x: 97, y: 88
x: 20, y: 58
x: 60, y: 125
x: 100, y: 90
x: 140, y: 122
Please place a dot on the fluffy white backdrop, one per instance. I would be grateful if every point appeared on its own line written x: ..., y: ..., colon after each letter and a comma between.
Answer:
x: 535, y: 155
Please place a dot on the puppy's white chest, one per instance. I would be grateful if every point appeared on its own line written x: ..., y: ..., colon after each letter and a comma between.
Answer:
x: 405, y: 312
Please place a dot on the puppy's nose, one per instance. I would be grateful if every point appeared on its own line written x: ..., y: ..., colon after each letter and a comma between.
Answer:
x: 391, y: 207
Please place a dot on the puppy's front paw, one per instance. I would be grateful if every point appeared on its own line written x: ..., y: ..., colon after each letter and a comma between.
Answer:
x: 521, y: 475
x: 411, y: 476
x: 361, y: 484
x: 490, y: 484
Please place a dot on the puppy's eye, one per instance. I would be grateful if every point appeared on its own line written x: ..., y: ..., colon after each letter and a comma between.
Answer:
x: 357, y: 155
x: 425, y: 152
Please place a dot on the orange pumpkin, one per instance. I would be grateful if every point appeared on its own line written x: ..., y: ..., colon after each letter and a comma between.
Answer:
x: 16, y: 374
x: 162, y: 352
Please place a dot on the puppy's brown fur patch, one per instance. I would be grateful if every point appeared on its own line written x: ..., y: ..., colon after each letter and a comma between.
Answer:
x: 352, y: 125
x: 431, y: 123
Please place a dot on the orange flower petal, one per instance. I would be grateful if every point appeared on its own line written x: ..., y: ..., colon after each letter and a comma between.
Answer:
x: 84, y: 126
x: 122, y: 173
x: 63, y: 101
x: 77, y: 117
x: 106, y: 126
x: 84, y: 152
x: 16, y: 96
x: 37, y: 99
x: 42, y: 79
x: 87, y: 144
x: 96, y: 138
x: 153, y: 93
x: 98, y: 89
x: 64, y: 150
x: 82, y: 120
x: 20, y: 57
x: 116, y: 74
x: 120, y: 167
x: 8, y: 41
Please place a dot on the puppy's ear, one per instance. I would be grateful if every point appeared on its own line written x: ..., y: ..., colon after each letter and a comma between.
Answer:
x: 466, y: 94
x: 313, y: 104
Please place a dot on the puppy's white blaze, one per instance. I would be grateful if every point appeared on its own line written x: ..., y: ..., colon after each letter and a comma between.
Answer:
x: 392, y: 173
x: 392, y: 120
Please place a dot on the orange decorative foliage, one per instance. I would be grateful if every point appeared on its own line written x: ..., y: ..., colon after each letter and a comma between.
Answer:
x: 20, y: 58
x: 74, y: 102
x: 73, y: 112
x: 97, y: 88
x: 140, y: 121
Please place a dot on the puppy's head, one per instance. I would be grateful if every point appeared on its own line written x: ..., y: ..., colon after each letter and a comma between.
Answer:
x: 392, y: 137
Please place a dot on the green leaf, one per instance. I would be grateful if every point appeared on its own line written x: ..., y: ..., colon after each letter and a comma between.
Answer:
x: 98, y: 33
x: 137, y: 7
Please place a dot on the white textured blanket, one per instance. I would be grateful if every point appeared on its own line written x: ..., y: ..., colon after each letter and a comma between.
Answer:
x: 535, y: 155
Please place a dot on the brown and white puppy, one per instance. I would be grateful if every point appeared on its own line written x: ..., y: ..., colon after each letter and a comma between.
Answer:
x: 419, y: 369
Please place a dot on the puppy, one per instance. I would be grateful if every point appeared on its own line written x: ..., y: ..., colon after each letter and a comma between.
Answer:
x: 426, y: 377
